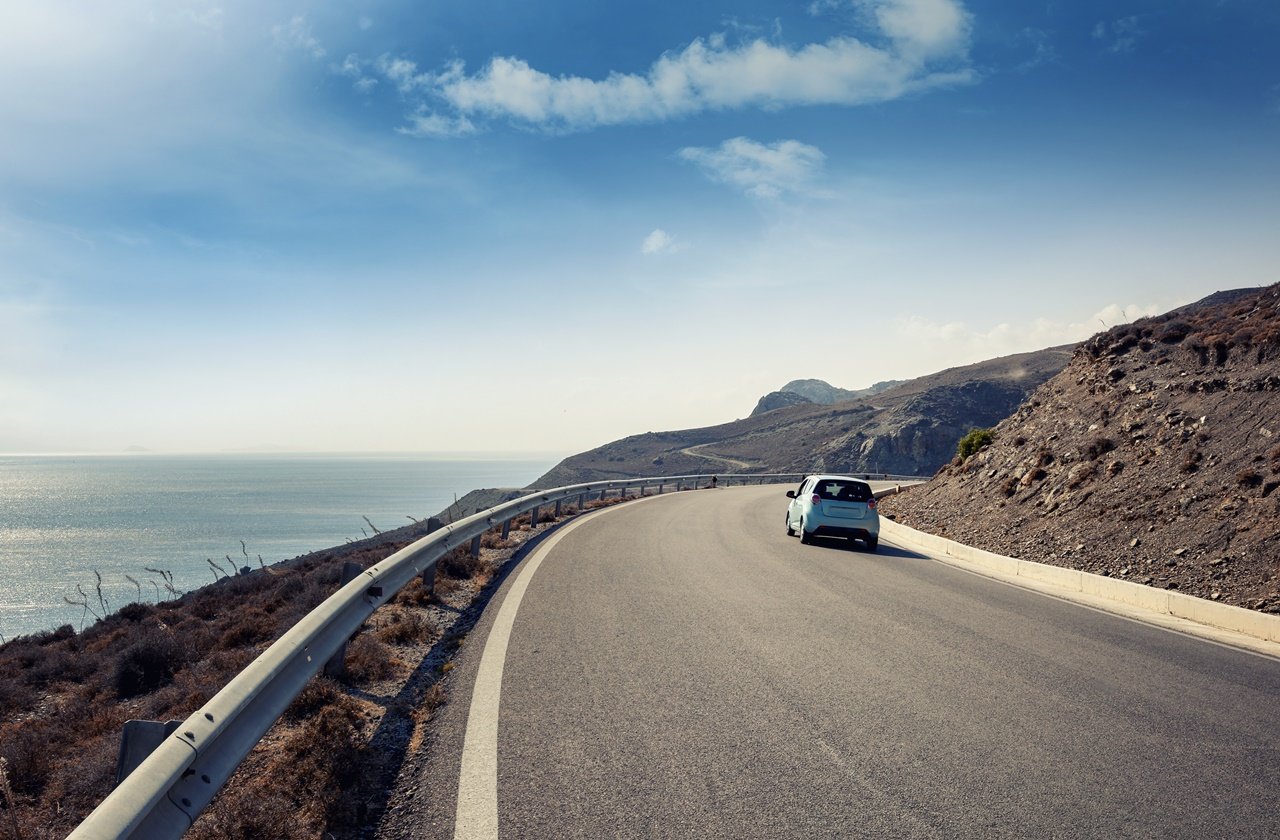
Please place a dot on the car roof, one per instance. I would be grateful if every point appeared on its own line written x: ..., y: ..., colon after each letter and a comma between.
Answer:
x: 825, y: 476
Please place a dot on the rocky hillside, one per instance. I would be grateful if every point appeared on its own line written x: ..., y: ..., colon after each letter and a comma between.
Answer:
x: 1154, y: 456
x: 911, y: 429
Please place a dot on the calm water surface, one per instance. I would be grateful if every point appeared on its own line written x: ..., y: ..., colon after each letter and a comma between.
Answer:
x: 62, y: 517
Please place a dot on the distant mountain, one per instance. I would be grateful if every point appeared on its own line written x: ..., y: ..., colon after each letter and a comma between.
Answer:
x: 779, y: 399
x: 800, y: 391
x: 823, y: 393
x: 910, y: 428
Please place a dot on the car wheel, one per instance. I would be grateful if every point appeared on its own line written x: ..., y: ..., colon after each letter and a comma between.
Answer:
x: 804, y: 535
x: 872, y: 542
x: 791, y: 532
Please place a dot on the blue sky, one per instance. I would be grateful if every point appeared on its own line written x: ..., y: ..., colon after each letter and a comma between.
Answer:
x: 512, y: 226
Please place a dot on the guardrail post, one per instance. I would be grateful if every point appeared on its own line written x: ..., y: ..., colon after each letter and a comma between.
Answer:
x: 506, y: 528
x: 533, y: 519
x: 429, y: 579
x: 558, y: 501
x: 138, y: 739
x: 337, y: 666
x: 660, y: 486
x: 602, y: 492
x: 475, y: 546
x: 582, y: 502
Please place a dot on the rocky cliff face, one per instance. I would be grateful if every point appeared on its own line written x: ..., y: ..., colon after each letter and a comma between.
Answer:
x: 1154, y: 456
x: 919, y: 436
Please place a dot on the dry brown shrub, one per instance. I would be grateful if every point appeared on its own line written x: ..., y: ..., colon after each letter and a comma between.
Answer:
x: 399, y: 628
x: 459, y: 564
x: 1034, y: 475
x: 1248, y: 479
x: 369, y: 659
x: 147, y: 664
x: 315, y: 695
x: 26, y: 749
x: 415, y: 593
x: 250, y: 627
x: 1098, y: 447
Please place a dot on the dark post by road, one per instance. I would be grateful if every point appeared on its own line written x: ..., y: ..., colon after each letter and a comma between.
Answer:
x: 336, y: 666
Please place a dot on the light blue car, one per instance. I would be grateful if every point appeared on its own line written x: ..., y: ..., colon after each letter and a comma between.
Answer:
x: 834, y: 506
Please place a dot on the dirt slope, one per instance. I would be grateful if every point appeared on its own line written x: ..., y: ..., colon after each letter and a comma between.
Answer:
x: 1154, y: 457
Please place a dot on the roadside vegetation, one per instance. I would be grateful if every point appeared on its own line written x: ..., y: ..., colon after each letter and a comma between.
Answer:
x: 65, y: 695
x: 976, y: 439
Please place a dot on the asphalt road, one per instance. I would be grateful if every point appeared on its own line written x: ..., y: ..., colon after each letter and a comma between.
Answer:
x: 678, y: 667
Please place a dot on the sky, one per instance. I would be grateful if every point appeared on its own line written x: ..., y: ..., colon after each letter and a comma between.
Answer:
x: 506, y: 226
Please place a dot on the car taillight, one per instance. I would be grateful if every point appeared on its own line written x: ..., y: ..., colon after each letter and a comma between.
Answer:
x: 817, y: 499
x: 872, y: 504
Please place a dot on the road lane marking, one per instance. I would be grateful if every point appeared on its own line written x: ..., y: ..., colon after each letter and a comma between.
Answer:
x: 477, y: 810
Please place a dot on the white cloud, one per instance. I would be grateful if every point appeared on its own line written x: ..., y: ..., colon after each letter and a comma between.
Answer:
x: 657, y: 242
x: 426, y: 124
x: 920, y: 45
x: 1119, y: 36
x: 1043, y: 50
x: 765, y: 171
x: 352, y: 67
x: 296, y: 34
x: 965, y: 342
x: 922, y: 28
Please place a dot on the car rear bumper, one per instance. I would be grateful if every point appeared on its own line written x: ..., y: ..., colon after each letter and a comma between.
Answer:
x: 848, y: 531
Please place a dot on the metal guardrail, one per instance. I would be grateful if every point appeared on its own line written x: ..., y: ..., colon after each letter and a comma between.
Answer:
x: 169, y: 789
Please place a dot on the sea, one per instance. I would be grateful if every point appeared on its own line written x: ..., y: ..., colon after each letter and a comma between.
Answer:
x: 65, y: 520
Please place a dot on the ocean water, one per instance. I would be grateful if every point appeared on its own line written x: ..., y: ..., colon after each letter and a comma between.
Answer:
x: 62, y: 517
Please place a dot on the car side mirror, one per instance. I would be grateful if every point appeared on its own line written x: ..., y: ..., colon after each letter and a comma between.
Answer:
x: 791, y: 494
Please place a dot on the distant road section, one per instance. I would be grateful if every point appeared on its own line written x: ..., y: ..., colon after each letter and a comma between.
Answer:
x: 678, y: 667
x: 718, y: 459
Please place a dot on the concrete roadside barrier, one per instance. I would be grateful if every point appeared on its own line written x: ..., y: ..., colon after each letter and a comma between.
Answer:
x: 1251, y: 623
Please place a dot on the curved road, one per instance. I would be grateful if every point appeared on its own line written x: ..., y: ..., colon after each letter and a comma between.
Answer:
x: 678, y: 667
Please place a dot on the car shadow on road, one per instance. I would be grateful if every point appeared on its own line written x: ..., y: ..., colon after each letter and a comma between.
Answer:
x: 886, y: 550
x: 858, y: 547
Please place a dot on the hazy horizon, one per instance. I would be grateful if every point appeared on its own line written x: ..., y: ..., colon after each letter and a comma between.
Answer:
x: 398, y: 227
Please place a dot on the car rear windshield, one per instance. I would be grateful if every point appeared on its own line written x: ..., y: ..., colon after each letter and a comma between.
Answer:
x: 844, y: 491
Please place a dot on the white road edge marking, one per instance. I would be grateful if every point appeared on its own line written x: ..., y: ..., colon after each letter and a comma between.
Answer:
x: 477, y: 811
